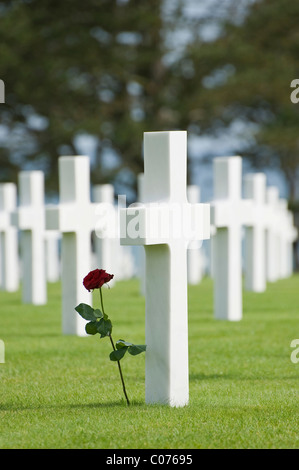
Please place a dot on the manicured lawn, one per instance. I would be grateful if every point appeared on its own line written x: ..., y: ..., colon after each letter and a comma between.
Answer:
x: 63, y: 391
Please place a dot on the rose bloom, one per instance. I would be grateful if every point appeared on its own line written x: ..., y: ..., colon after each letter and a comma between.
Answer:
x: 96, y: 278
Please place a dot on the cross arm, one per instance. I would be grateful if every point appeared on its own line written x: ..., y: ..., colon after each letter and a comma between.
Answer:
x: 159, y: 223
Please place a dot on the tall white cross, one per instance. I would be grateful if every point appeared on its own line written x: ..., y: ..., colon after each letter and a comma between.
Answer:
x: 106, y: 234
x: 255, y: 233
x: 282, y: 210
x: 228, y: 213
x: 75, y: 217
x: 291, y: 237
x: 194, y: 254
x: 52, y: 241
x: 287, y: 236
x: 141, y: 252
x: 165, y: 225
x: 272, y: 235
x: 30, y: 219
x: 9, y: 257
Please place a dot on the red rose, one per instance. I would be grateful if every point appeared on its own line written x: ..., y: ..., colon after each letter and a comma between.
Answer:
x: 96, y: 278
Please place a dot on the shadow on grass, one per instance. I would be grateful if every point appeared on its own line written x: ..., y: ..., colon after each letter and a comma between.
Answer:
x: 109, y: 404
x: 236, y: 377
x: 70, y: 406
x: 202, y: 376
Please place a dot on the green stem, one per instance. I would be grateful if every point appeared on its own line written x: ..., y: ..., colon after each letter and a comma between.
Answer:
x: 118, y: 363
x: 102, y: 301
x: 120, y: 373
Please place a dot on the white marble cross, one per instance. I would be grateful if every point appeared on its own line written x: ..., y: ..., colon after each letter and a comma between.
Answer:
x: 255, y: 233
x: 106, y: 241
x: 9, y: 258
x: 30, y: 219
x: 287, y: 236
x: 228, y: 213
x: 194, y: 254
x: 52, y: 241
x: 272, y: 235
x: 282, y: 209
x: 75, y: 217
x: 165, y: 225
x: 141, y: 250
x: 291, y: 237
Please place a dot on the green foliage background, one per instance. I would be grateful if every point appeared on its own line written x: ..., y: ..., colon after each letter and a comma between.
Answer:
x: 112, y: 69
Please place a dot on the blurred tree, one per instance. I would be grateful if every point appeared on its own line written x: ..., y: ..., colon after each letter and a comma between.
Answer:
x: 76, y: 68
x: 245, y: 74
x: 113, y: 69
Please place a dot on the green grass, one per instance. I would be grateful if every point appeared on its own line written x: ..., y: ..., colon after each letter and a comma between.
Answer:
x: 63, y: 391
